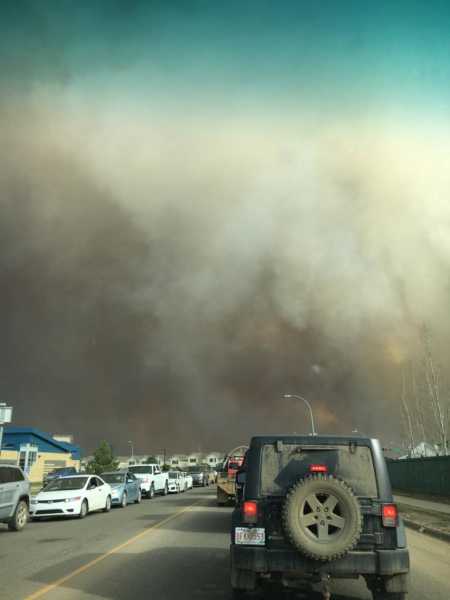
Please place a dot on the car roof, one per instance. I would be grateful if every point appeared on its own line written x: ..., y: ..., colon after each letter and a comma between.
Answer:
x: 79, y: 476
x: 312, y: 440
x: 118, y: 472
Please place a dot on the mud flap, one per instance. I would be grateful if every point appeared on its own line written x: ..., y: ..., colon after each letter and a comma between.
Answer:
x: 242, y: 579
x: 397, y: 583
x: 390, y: 584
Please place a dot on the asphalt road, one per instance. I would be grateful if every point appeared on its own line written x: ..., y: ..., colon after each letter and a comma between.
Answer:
x: 173, y: 548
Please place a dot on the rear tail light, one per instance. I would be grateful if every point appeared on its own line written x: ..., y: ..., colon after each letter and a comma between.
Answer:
x: 250, y: 511
x: 318, y: 469
x: 389, y: 514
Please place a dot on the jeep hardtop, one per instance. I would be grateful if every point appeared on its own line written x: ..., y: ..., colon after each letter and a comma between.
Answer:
x: 310, y: 508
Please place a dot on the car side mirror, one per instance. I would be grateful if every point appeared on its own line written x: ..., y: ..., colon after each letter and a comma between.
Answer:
x: 241, y: 477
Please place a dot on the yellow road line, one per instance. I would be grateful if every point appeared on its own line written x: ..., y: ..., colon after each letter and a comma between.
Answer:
x: 51, y: 586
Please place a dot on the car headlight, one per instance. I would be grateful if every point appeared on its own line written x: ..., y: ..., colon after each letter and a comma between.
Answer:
x: 74, y: 499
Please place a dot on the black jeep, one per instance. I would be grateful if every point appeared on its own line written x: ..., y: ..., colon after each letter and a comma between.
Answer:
x: 314, y: 507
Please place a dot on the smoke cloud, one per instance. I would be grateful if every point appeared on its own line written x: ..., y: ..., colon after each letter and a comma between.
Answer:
x: 167, y: 281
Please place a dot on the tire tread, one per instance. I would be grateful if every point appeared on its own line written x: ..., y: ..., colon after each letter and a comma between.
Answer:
x: 300, y: 485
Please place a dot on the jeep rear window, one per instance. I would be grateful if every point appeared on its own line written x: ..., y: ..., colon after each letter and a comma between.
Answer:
x: 281, y: 469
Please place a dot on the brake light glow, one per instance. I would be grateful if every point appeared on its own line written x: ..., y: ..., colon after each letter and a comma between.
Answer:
x: 250, y: 511
x: 318, y: 469
x: 389, y: 514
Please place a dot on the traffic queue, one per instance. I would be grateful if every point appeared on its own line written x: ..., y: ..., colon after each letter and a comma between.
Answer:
x: 78, y: 494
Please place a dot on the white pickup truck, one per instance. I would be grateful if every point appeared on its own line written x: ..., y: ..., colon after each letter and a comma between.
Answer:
x: 153, y: 480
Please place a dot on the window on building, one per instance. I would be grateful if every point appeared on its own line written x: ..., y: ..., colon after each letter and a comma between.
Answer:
x: 22, y: 459
x: 27, y: 457
x: 32, y: 458
x: 192, y: 460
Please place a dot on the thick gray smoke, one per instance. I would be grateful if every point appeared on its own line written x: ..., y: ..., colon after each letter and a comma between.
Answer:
x: 167, y: 284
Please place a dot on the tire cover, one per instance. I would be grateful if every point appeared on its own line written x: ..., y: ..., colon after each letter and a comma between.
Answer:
x: 322, y: 517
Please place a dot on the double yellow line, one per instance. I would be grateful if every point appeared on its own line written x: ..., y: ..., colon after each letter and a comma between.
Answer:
x: 62, y: 580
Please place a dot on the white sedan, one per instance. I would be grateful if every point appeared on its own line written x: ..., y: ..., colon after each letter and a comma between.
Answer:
x: 176, y: 482
x: 188, y: 481
x: 71, y: 496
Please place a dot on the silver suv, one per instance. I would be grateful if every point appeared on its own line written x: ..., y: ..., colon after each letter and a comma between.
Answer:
x: 14, y: 497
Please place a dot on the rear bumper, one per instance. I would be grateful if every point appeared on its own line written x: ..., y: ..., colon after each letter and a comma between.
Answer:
x: 263, y: 560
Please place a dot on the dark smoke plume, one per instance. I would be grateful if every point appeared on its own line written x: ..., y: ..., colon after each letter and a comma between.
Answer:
x: 167, y: 284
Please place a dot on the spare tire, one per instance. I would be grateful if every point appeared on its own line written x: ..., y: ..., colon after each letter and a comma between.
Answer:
x: 322, y: 517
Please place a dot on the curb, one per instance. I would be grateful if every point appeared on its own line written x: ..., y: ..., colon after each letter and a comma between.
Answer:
x: 431, y: 531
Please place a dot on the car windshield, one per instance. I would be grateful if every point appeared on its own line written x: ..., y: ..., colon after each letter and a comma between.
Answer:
x: 280, y: 469
x: 141, y: 470
x: 113, y: 477
x: 173, y: 475
x: 66, y: 483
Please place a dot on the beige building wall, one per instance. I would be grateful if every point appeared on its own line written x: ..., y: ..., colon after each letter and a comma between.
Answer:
x: 9, y: 457
x: 46, y: 462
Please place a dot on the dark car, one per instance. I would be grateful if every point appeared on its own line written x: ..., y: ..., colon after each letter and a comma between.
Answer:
x: 61, y: 472
x: 314, y: 507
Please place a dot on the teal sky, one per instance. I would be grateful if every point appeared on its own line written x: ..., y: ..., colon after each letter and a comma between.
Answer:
x: 250, y: 54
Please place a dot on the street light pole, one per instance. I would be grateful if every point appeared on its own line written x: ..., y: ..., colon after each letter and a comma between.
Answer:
x: 132, y: 449
x: 309, y: 408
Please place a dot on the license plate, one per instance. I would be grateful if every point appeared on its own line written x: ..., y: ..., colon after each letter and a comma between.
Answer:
x: 256, y: 536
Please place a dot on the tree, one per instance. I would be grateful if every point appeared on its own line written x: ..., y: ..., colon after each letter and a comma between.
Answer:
x: 425, y: 402
x: 438, y: 401
x: 103, y: 460
x: 407, y: 420
x: 152, y: 460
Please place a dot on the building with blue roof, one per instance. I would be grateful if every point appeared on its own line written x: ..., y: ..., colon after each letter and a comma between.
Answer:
x: 37, y: 452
